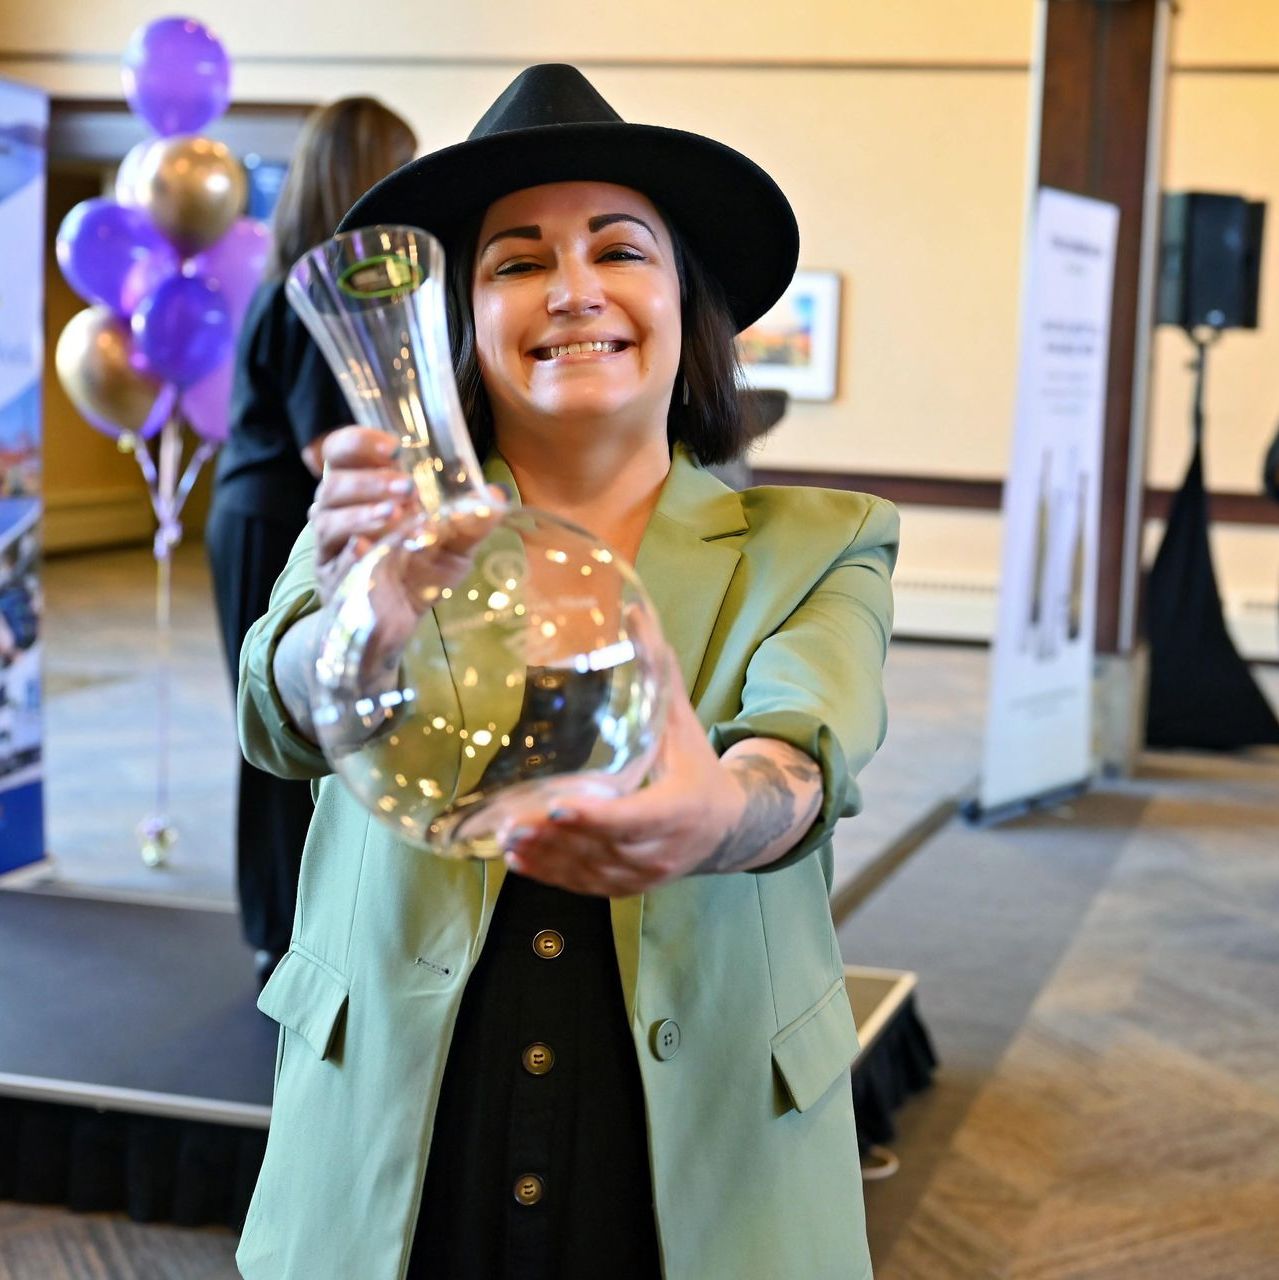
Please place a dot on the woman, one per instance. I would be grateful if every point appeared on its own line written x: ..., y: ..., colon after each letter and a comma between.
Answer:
x: 283, y: 403
x: 623, y: 1051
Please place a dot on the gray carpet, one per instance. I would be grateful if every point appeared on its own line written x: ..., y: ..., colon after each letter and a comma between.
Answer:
x: 1103, y: 989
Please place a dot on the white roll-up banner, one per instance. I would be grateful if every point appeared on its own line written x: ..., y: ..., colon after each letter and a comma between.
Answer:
x: 1039, y: 716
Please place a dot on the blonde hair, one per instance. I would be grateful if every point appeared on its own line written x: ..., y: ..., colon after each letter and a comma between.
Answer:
x: 343, y: 149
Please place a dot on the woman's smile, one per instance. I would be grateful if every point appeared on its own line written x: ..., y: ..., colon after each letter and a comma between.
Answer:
x: 580, y: 350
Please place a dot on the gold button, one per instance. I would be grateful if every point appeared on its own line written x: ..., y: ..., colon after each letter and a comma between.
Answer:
x: 548, y: 944
x: 538, y: 1059
x: 528, y: 1189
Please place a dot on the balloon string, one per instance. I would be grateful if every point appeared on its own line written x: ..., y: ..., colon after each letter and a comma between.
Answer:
x: 142, y: 456
x: 202, y: 454
x: 165, y: 540
x: 163, y: 616
x: 168, y: 487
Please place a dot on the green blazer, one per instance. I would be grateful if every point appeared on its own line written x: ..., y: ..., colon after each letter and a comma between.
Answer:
x: 777, y: 601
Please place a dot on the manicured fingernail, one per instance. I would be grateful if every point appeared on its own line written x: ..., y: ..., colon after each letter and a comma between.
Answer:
x: 562, y: 815
x: 519, y: 834
x: 383, y: 509
x: 401, y: 484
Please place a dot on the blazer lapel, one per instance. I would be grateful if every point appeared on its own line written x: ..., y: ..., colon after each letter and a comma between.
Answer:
x: 686, y: 569
x: 683, y: 563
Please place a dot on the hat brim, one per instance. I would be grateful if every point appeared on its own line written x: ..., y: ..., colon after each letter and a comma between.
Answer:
x: 733, y: 216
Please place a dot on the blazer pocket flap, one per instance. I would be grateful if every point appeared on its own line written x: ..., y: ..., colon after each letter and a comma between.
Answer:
x: 307, y: 996
x: 819, y: 1046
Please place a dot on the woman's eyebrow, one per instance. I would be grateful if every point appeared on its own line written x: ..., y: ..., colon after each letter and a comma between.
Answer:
x: 602, y: 220
x: 512, y: 233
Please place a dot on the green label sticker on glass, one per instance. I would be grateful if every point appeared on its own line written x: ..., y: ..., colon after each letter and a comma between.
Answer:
x: 385, y: 276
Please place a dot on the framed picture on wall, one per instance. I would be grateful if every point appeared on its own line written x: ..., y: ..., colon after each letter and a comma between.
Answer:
x: 794, y: 347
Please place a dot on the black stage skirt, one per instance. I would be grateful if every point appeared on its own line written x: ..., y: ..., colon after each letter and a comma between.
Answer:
x: 539, y: 1160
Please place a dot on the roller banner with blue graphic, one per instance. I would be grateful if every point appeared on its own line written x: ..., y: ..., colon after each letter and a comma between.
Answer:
x: 24, y: 121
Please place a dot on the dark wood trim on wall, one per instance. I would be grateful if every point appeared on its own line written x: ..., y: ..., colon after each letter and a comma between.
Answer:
x: 920, y: 490
x: 977, y: 494
x: 1098, y: 64
x: 99, y: 131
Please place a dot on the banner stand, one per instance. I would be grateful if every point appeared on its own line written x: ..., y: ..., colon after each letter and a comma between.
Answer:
x: 975, y: 816
x: 1038, y: 748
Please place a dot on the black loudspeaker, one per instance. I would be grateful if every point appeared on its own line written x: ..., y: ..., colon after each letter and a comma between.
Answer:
x: 1209, y: 260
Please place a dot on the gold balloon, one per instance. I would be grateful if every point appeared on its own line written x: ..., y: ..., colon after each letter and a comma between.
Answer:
x: 193, y: 188
x: 93, y: 366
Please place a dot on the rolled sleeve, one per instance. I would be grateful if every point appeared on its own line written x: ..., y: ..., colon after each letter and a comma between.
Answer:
x: 268, y: 737
x: 817, y: 681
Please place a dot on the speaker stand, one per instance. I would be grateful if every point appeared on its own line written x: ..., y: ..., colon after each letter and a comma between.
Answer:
x: 1202, y: 693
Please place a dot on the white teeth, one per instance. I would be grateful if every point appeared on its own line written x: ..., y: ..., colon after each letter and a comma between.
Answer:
x: 576, y: 349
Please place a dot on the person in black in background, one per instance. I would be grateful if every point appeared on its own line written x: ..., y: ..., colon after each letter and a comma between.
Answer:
x: 283, y: 402
x: 1270, y: 469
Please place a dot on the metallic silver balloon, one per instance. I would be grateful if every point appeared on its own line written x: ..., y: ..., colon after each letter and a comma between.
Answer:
x: 193, y: 188
x: 94, y: 362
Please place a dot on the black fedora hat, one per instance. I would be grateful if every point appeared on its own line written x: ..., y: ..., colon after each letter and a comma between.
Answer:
x: 551, y: 125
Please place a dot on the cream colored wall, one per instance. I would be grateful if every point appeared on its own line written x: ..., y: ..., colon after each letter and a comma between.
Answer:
x: 719, y: 30
x: 898, y: 130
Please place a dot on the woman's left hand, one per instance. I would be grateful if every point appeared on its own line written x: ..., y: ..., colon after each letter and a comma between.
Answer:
x: 696, y: 814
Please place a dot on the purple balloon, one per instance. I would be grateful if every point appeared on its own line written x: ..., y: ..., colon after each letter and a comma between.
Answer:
x: 101, y: 245
x: 183, y: 330
x: 235, y: 263
x: 176, y: 75
x: 144, y: 278
x: 207, y: 405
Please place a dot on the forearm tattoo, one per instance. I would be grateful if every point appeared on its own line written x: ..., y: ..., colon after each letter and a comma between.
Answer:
x: 770, y: 812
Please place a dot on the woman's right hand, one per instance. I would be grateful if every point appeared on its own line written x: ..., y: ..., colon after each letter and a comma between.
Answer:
x: 361, y: 497
x: 362, y: 494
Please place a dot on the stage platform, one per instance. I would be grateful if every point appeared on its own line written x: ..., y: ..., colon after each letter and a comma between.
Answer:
x: 135, y: 1068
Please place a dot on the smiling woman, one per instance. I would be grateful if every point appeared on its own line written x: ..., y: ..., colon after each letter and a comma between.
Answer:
x: 624, y: 1047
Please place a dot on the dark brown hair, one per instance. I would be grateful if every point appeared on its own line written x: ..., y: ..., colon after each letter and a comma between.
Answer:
x: 343, y: 149
x: 705, y: 413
